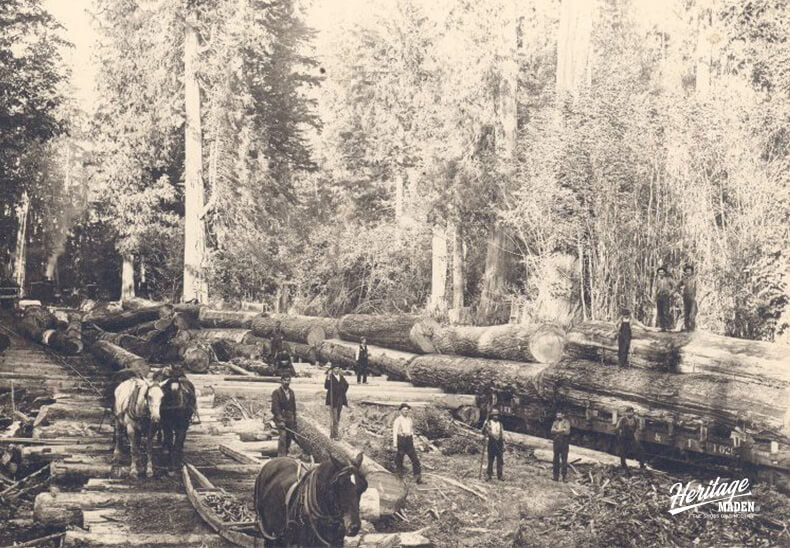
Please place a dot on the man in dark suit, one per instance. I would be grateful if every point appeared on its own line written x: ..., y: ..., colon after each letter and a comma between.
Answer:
x: 336, y: 388
x: 284, y: 411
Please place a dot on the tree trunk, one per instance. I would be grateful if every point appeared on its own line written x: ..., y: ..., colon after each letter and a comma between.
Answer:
x: 698, y: 352
x: 135, y: 345
x: 136, y: 303
x: 534, y: 343
x: 438, y: 299
x: 194, y: 229
x: 20, y: 253
x: 310, y: 330
x: 493, y: 306
x: 127, y: 277
x: 392, y: 363
x: 226, y: 318
x: 704, y: 54
x: 242, y: 336
x: 655, y: 395
x: 402, y: 332
x: 124, y: 320
x: 573, y: 46
x: 117, y: 358
x: 314, y: 439
x: 464, y: 375
x: 458, y: 266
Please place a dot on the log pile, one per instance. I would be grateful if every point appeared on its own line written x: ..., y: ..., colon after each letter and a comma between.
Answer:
x: 40, y: 325
x: 698, y: 352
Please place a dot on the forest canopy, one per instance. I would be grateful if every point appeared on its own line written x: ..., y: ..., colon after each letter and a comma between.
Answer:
x: 530, y: 160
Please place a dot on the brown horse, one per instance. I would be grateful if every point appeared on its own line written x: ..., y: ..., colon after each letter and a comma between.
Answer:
x: 314, y: 508
x: 136, y: 408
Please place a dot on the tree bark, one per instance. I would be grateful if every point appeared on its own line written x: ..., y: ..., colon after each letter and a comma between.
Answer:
x: 315, y: 440
x: 117, y: 358
x: 573, y: 46
x: 124, y: 320
x: 438, y: 299
x: 658, y: 396
x: 402, y: 332
x: 534, y: 343
x: 493, y: 307
x: 194, y: 229
x: 20, y: 253
x: 226, y: 318
x: 392, y: 363
x: 311, y: 330
x: 458, y: 266
x: 698, y: 352
x: 136, y: 303
x: 464, y: 375
x: 127, y: 277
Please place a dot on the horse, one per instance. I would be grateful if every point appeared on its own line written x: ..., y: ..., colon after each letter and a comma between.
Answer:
x: 136, y: 406
x: 178, y: 405
x: 314, y: 508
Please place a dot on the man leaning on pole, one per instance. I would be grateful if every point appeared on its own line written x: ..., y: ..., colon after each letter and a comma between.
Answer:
x: 284, y: 411
x: 336, y: 388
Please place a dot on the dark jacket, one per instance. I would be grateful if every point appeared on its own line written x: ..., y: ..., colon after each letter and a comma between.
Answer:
x: 284, y: 409
x: 284, y: 364
x: 336, y: 391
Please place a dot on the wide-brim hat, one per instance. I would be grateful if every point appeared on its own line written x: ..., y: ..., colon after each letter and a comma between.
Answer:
x: 405, y: 406
x: 661, y: 269
x: 495, y: 412
x: 688, y: 267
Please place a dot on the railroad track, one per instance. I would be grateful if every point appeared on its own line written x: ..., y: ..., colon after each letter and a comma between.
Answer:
x: 96, y: 500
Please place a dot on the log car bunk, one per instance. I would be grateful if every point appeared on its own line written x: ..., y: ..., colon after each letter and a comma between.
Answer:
x: 701, y: 443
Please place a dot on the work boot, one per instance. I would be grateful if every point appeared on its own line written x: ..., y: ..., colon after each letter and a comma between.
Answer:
x: 555, y: 478
x: 418, y: 479
x: 564, y: 479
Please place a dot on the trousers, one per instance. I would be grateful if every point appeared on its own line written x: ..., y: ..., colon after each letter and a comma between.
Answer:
x: 561, y: 445
x: 334, y: 418
x: 496, y: 450
x: 406, y: 447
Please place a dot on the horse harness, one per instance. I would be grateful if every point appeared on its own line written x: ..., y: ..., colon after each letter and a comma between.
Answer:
x: 132, y: 409
x: 303, y: 495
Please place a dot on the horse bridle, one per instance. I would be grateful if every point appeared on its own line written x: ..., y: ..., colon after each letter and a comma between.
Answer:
x: 309, y: 496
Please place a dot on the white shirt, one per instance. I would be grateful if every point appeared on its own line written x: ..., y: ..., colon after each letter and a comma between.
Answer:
x: 403, y: 426
x: 495, y: 429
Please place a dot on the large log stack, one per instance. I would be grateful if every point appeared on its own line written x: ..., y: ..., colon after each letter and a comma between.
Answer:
x: 697, y: 352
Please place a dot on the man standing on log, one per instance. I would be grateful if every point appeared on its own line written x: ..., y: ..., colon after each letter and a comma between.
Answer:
x: 689, y: 292
x: 561, y: 432
x: 362, y: 361
x: 403, y: 442
x: 663, y: 298
x: 284, y: 411
x: 336, y: 388
x: 496, y: 444
x: 624, y: 337
x: 627, y: 442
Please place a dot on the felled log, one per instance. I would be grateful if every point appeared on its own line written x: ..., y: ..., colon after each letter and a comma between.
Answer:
x: 160, y: 324
x: 465, y: 375
x: 310, y: 330
x: 136, y: 303
x: 118, y: 358
x: 225, y: 318
x: 57, y: 509
x: 122, y: 320
x: 401, y: 332
x: 314, y: 439
x: 698, y: 352
x: 393, y: 363
x: 661, y: 396
x: 240, y: 336
x: 39, y: 324
x: 228, y: 350
x: 135, y: 345
x: 541, y: 343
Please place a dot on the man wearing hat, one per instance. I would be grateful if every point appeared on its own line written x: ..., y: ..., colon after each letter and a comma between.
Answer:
x: 361, y: 360
x: 689, y: 292
x: 403, y: 442
x: 663, y: 298
x: 284, y: 412
x: 336, y: 388
x: 496, y: 444
x: 561, y: 432
x: 627, y: 442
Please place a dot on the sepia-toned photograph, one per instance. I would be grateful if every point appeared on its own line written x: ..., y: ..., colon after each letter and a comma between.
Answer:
x: 394, y: 273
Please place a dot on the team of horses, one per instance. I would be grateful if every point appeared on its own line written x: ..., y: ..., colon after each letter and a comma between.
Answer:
x: 295, y: 506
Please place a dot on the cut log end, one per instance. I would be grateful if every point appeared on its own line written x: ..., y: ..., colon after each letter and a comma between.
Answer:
x: 316, y: 335
x: 196, y: 360
x: 547, y: 344
x: 421, y: 334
